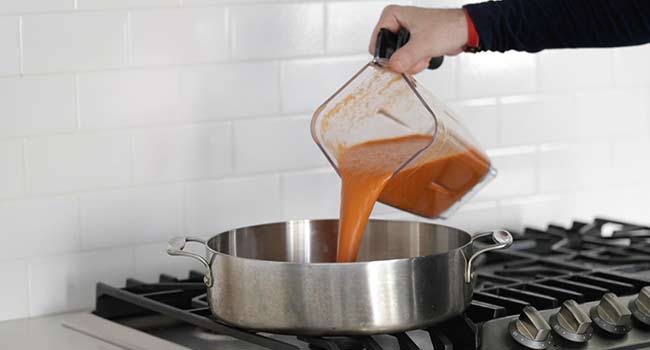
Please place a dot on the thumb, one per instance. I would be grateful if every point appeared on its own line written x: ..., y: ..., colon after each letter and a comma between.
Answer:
x: 408, y: 56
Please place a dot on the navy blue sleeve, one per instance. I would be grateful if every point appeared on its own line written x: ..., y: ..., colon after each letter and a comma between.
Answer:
x: 535, y: 25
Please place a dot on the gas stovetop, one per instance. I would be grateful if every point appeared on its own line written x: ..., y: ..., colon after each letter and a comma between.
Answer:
x: 557, y: 288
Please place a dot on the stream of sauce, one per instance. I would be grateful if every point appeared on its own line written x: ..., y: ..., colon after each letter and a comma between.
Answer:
x: 427, y: 188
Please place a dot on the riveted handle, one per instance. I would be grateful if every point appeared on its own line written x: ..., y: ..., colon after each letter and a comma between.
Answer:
x: 501, y: 238
x: 176, y: 247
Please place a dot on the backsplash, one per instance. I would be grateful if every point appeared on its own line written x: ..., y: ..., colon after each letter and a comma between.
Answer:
x: 126, y: 122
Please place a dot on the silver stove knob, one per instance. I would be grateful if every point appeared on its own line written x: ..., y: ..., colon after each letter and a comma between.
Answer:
x: 531, y: 329
x: 611, y: 315
x: 640, y: 307
x: 572, y: 323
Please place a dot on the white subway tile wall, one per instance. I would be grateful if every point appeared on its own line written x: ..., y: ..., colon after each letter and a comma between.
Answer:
x: 305, y: 84
x: 344, y: 18
x: 15, y: 294
x: 126, y: 122
x: 12, y: 170
x: 131, y: 216
x: 273, y: 31
x: 67, y: 163
x: 178, y: 36
x: 9, y: 6
x: 274, y: 145
x: 119, y: 4
x: 229, y: 91
x: 570, y: 70
x: 37, y: 105
x: 73, y: 41
x: 496, y: 74
x: 182, y: 153
x: 9, y: 45
x: 117, y: 99
x: 481, y: 118
x: 39, y: 226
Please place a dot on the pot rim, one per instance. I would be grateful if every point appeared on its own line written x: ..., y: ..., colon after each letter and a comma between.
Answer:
x: 468, y: 236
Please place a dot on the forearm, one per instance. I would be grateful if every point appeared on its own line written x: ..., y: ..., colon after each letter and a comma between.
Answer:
x: 534, y: 25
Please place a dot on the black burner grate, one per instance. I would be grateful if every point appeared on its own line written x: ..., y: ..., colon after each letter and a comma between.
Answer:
x: 542, y: 269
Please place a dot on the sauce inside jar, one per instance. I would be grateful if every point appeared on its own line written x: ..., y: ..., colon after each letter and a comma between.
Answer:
x: 427, y: 187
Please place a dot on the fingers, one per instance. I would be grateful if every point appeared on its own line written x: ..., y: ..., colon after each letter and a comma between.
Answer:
x: 388, y: 20
x: 420, y: 66
x: 408, y: 56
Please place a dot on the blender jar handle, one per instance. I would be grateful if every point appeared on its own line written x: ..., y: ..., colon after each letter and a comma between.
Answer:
x: 389, y: 42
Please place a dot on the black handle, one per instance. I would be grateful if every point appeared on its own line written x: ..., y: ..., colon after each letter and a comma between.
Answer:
x: 389, y: 42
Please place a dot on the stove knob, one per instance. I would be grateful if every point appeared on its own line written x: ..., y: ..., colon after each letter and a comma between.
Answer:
x: 611, y: 315
x: 531, y: 329
x: 640, y: 306
x: 572, y: 323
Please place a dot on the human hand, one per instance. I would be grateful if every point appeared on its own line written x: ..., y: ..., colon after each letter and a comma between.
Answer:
x: 434, y: 32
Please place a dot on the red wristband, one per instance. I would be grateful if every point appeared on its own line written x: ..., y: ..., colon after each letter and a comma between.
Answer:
x: 473, y: 39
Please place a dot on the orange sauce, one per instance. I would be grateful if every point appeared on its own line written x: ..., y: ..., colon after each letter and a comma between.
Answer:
x: 427, y: 188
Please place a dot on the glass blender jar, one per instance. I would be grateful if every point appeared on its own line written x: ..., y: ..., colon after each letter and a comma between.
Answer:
x: 378, y: 104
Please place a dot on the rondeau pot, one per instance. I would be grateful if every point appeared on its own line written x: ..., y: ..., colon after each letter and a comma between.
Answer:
x: 283, y: 278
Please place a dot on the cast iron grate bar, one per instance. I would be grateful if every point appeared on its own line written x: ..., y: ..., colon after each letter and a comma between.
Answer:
x: 440, y: 341
x: 560, y: 293
x: 492, y: 278
x: 512, y: 306
x: 405, y: 342
x: 104, y: 291
x: 590, y: 292
x: 370, y: 343
x: 613, y: 256
x: 165, y: 278
x: 336, y: 343
x: 202, y: 311
x: 480, y: 311
x: 549, y: 264
x: 619, y: 288
x: 320, y: 343
x: 460, y: 331
x: 200, y: 301
x: 539, y: 301
x: 140, y: 287
x: 637, y: 283
x: 639, y: 247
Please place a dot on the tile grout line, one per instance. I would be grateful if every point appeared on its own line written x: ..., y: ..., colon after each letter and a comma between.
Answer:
x: 233, y: 153
x: 280, y: 77
x: 282, y: 193
x: 143, y: 185
x: 228, y: 33
x: 184, y: 219
x: 325, y: 28
x: 79, y: 223
x: 200, y: 64
x: 128, y: 47
x: 21, y: 48
x: 27, y: 186
x: 77, y: 104
x: 132, y: 159
x: 29, y: 288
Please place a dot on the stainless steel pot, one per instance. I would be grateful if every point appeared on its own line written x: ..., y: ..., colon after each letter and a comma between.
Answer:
x: 282, y: 277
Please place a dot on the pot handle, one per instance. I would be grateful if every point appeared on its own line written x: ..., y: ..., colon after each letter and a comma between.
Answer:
x: 176, y: 247
x: 501, y: 238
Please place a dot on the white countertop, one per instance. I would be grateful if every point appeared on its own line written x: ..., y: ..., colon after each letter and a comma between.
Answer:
x: 47, y: 333
x: 76, y: 331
